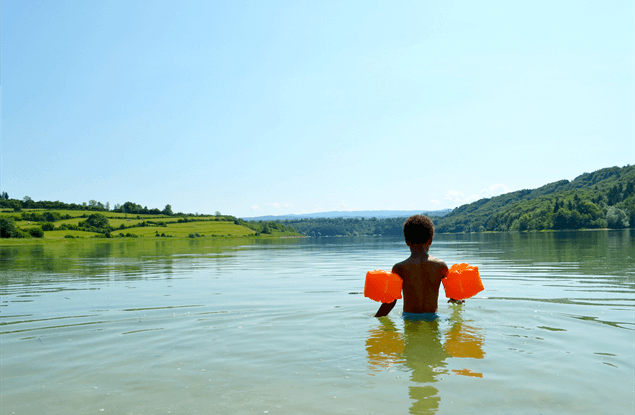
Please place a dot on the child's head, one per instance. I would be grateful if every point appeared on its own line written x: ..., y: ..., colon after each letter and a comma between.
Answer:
x: 418, y: 229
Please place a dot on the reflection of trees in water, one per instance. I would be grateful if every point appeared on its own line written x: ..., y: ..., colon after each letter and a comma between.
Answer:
x: 601, y: 251
x: 423, y: 352
x: 109, y: 259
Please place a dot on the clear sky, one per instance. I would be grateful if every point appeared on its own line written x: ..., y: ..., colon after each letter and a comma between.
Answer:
x: 275, y: 107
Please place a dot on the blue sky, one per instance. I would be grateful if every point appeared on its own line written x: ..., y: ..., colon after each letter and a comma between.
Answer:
x: 275, y: 107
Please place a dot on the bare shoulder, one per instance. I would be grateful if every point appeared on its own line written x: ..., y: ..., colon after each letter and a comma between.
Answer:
x: 437, y: 260
x: 441, y: 265
x: 398, y: 267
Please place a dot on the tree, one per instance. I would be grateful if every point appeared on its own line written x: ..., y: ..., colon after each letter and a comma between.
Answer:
x: 131, y: 207
x: 97, y: 220
x: 561, y: 219
x: 4, y: 196
x: 614, y: 195
x: 27, y: 202
x: 523, y: 222
x: 51, y: 216
x: 7, y: 228
x: 168, y: 210
x: 616, y: 218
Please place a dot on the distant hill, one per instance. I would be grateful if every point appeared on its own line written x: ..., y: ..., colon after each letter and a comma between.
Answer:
x: 602, y: 199
x: 379, y: 214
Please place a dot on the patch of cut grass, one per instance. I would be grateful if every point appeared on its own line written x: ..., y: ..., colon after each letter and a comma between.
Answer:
x: 62, y: 234
x: 207, y: 228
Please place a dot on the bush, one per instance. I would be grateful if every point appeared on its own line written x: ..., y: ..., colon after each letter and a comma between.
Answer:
x: 48, y: 226
x: 8, y: 228
x: 36, y: 232
x: 22, y: 234
x: 97, y: 220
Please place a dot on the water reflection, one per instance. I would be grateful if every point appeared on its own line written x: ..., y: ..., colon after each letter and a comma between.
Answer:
x: 423, y: 350
x: 588, y: 252
x: 464, y: 341
x: 119, y: 260
x: 425, y: 356
x: 384, y: 346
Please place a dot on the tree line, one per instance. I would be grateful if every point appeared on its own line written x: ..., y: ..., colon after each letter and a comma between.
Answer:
x: 264, y: 227
x: 17, y: 205
x: 318, y: 227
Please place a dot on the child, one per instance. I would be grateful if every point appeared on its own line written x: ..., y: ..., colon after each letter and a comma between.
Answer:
x: 421, y: 273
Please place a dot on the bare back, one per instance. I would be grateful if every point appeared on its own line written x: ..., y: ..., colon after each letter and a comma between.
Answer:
x: 422, y: 275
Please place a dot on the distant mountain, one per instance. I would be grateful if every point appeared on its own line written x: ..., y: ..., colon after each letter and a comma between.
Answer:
x: 379, y: 214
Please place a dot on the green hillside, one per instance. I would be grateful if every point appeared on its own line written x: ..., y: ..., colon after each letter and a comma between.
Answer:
x: 42, y: 225
x: 602, y: 199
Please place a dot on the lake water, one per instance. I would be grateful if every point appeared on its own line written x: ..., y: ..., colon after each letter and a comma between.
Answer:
x: 282, y: 327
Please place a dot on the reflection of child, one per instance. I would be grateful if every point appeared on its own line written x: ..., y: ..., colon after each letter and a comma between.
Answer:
x: 421, y: 273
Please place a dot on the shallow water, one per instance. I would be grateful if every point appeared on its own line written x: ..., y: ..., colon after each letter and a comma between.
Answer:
x: 282, y: 327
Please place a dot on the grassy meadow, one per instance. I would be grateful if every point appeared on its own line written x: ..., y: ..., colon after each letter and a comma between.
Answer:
x: 139, y: 226
x: 206, y: 228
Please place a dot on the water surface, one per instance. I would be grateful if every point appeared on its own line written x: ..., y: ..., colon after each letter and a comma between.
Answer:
x: 282, y: 327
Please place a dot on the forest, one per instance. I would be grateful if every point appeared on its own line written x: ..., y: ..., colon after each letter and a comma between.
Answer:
x: 347, y: 226
x: 602, y: 199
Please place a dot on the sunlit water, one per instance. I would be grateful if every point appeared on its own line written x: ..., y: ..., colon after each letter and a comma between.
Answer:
x: 198, y: 327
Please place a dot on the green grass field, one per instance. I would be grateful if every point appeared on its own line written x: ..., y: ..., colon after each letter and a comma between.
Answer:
x: 204, y: 226
x: 62, y: 234
x: 74, y: 221
x: 185, y: 229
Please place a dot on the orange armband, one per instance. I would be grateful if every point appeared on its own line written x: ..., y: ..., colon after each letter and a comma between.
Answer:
x: 382, y: 286
x: 463, y: 281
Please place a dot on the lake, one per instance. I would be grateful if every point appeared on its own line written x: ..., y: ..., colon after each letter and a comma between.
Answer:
x: 282, y: 327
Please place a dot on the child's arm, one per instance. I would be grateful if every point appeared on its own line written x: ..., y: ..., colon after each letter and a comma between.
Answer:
x: 445, y: 271
x: 385, y: 308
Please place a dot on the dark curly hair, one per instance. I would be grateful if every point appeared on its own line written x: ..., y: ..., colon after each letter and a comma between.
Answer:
x: 418, y: 229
